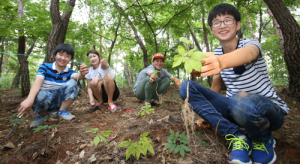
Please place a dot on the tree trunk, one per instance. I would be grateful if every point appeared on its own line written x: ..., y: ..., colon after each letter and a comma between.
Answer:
x: 136, y: 36
x: 114, y: 41
x: 194, y: 37
x: 291, y: 34
x: 204, y: 29
x: 25, y: 81
x: 59, y: 27
x: 249, y: 24
x: 279, y: 31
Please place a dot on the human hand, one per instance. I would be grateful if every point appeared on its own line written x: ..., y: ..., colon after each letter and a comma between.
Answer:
x: 103, y: 62
x: 25, y: 106
x: 153, y: 78
x: 92, y: 102
x: 210, y: 66
x: 84, y: 69
x: 178, y: 83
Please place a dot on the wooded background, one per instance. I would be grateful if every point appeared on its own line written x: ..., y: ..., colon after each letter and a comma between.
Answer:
x: 128, y: 33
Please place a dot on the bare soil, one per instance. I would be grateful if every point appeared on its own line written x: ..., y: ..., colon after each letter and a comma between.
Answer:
x: 68, y: 143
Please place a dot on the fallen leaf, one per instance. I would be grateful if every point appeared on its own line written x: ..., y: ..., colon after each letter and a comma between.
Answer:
x: 81, y: 155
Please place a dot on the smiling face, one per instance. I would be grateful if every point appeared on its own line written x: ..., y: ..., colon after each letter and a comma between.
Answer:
x: 225, y: 32
x: 62, y: 59
x: 94, y: 59
x: 158, y: 63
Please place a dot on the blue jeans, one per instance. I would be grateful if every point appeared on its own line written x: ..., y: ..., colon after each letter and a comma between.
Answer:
x: 51, y: 100
x: 255, y: 113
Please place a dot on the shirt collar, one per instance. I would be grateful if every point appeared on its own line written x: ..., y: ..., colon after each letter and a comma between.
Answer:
x: 54, y: 67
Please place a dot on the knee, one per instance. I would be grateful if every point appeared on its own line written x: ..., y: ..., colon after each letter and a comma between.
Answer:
x: 94, y: 82
x: 108, y: 78
x: 183, y: 90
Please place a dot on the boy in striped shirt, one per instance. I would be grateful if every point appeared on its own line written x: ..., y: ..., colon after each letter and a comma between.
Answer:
x: 54, y: 88
x: 251, y: 102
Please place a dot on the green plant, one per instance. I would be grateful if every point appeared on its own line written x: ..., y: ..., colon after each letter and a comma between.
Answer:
x: 162, y: 103
x: 175, y: 95
x: 154, y: 73
x: 190, y: 58
x: 177, y: 143
x: 100, y: 136
x: 201, y: 140
x: 136, y: 148
x: 47, y: 129
x: 146, y: 109
x: 14, y: 121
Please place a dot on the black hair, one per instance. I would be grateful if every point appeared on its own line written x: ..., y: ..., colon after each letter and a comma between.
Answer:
x: 92, y: 52
x: 62, y: 47
x: 223, y: 9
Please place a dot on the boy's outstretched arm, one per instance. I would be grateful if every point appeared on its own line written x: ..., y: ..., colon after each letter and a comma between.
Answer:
x: 34, y: 90
x: 83, y: 71
x: 176, y: 81
x: 213, y: 64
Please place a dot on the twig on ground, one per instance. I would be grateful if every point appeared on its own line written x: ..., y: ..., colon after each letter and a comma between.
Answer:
x: 196, y: 158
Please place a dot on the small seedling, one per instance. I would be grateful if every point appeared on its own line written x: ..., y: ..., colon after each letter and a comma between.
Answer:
x: 162, y: 103
x: 146, y: 109
x: 154, y: 73
x: 100, y: 136
x: 177, y: 143
x: 14, y: 121
x: 201, y: 140
x: 47, y: 129
x: 190, y: 58
x: 136, y: 148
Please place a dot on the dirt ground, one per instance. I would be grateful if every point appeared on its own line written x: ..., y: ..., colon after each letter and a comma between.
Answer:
x: 68, y: 143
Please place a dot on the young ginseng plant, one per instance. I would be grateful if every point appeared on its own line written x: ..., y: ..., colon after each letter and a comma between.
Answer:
x: 154, y: 73
x: 100, y: 136
x: 190, y: 58
x: 46, y: 128
x: 146, y: 109
x: 136, y: 148
x: 177, y: 143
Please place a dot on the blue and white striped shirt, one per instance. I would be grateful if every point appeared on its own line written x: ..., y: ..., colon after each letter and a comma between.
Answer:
x: 251, y: 78
x: 52, y: 79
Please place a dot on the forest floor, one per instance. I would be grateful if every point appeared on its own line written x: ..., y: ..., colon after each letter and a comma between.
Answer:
x: 68, y: 143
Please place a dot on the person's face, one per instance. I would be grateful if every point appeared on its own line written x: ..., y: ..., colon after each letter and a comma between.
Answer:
x: 94, y: 59
x: 158, y: 63
x: 62, y: 59
x: 225, y: 31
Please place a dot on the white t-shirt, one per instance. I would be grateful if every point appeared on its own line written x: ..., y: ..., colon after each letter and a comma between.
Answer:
x: 95, y: 72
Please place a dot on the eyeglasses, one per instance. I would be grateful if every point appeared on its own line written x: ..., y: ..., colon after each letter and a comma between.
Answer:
x: 227, y: 21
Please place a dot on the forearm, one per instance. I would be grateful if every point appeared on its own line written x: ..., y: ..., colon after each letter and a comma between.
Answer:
x: 173, y: 78
x: 238, y: 57
x: 36, y: 86
x: 217, y: 84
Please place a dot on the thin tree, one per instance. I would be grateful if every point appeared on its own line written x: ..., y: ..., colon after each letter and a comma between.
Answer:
x: 59, y: 27
x: 291, y: 35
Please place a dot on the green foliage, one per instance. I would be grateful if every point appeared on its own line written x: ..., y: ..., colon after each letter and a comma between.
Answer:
x: 154, y: 73
x: 201, y: 140
x: 138, y: 148
x: 146, y: 109
x: 177, y: 143
x: 44, y: 127
x: 175, y: 96
x: 14, y: 121
x: 100, y: 136
x: 190, y: 58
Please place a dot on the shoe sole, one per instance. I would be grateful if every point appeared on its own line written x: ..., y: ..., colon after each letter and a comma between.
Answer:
x: 239, y: 162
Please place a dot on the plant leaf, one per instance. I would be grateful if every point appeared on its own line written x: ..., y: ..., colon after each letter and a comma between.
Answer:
x: 177, y: 149
x: 185, y: 148
x: 177, y: 63
x: 182, y: 153
x: 196, y: 64
x: 103, y: 139
x: 184, y: 40
x: 198, y: 55
x: 188, y: 67
x: 181, y: 50
x: 124, y: 144
x: 96, y: 140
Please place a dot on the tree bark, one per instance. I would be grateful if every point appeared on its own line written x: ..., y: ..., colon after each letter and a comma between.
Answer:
x: 291, y: 34
x: 114, y: 41
x: 59, y: 27
x: 204, y: 29
x: 194, y: 37
x: 25, y: 81
x: 279, y: 31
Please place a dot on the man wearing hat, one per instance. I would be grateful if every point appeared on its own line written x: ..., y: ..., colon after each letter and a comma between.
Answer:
x: 149, y: 82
